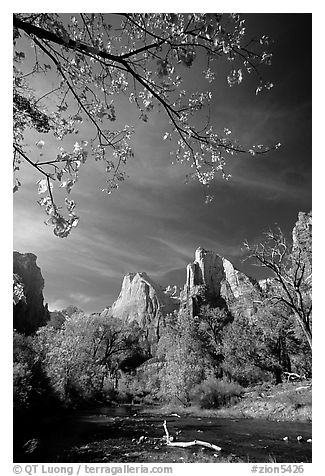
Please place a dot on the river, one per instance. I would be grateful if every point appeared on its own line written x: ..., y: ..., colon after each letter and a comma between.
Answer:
x: 112, y: 435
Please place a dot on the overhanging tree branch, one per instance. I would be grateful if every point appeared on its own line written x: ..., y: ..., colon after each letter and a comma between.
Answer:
x: 96, y: 61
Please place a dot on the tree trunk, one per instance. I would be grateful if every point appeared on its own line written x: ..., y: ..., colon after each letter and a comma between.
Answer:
x: 278, y: 375
x: 306, y: 329
x: 284, y: 357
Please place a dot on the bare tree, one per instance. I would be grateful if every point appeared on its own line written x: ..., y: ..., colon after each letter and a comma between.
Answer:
x: 291, y: 281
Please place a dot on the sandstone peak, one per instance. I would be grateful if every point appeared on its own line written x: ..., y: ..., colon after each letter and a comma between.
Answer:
x: 143, y: 301
x: 215, y: 279
x: 137, y: 277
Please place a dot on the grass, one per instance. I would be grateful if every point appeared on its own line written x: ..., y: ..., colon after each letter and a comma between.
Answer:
x: 284, y: 402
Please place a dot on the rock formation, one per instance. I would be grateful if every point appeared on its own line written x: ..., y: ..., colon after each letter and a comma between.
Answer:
x: 213, y: 280
x: 143, y: 302
x: 302, y: 232
x: 300, y: 251
x: 58, y: 318
x: 302, y: 242
x: 173, y: 291
x: 29, y: 311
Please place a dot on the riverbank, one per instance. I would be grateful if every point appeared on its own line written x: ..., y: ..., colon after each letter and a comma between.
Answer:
x: 290, y: 401
x: 126, y: 435
x: 269, y: 424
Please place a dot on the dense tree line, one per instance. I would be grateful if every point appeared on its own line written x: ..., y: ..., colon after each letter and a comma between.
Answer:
x: 87, y: 358
x: 77, y: 358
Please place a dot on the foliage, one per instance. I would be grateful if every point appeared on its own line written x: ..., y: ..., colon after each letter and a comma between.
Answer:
x: 83, y: 354
x: 299, y: 350
x: 137, y: 347
x: 31, y: 390
x: 93, y: 62
x: 22, y: 385
x: 211, y: 323
x: 24, y: 359
x: 144, y: 384
x: 57, y: 318
x: 214, y: 393
x: 18, y: 289
x: 291, y: 281
x: 265, y: 342
x: 89, y: 358
x: 185, y: 363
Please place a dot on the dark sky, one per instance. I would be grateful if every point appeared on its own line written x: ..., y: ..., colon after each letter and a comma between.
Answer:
x: 155, y: 221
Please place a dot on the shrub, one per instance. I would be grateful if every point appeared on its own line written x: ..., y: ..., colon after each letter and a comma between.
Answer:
x: 32, y: 392
x: 214, y: 393
x: 109, y: 392
x: 123, y: 397
x: 245, y: 375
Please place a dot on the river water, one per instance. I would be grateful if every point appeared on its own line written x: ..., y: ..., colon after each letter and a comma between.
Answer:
x: 89, y: 435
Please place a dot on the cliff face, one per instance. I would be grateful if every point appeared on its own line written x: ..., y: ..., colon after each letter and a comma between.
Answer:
x: 302, y: 240
x: 302, y: 232
x: 211, y: 279
x: 29, y: 312
x: 300, y: 252
x: 144, y: 302
x: 214, y: 280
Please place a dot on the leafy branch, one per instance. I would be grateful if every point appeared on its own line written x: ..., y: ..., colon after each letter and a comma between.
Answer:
x: 142, y: 58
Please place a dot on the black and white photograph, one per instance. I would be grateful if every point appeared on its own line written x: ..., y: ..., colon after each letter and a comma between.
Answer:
x: 162, y: 239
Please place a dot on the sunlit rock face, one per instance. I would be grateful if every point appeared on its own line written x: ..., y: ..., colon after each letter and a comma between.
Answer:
x: 29, y: 311
x: 302, y: 241
x: 213, y: 279
x: 206, y: 270
x: 144, y: 302
x: 302, y: 248
x: 172, y: 291
x: 302, y: 232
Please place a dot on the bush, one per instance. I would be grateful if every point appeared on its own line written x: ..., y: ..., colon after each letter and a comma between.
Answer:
x: 213, y: 393
x: 123, y: 397
x: 246, y: 375
x: 143, y: 385
x: 109, y: 392
x: 32, y: 392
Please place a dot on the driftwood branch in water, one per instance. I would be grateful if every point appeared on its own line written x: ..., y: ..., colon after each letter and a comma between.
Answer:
x: 185, y: 444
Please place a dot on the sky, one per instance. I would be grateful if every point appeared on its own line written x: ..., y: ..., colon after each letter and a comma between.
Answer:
x: 155, y: 221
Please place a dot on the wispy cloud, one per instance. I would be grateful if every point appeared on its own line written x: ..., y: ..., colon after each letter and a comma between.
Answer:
x: 154, y: 222
x: 274, y: 189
